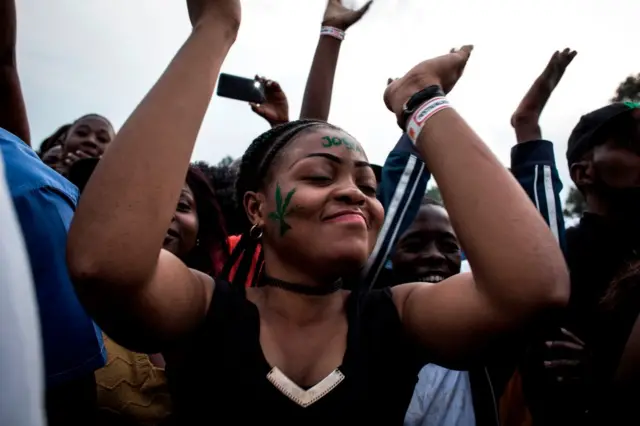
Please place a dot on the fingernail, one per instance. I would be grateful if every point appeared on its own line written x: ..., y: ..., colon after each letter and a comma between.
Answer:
x: 547, y: 363
x: 548, y: 344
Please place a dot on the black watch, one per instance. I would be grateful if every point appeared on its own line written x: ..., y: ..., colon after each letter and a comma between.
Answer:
x: 416, y: 101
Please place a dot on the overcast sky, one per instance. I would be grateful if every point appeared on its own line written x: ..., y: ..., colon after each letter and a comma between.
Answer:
x: 82, y: 56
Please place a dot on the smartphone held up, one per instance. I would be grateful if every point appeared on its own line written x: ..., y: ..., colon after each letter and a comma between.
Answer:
x: 240, y: 88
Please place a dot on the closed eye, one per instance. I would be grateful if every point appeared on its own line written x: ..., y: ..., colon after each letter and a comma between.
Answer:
x: 368, y: 190
x: 318, y: 178
x: 183, y: 207
x: 449, y: 246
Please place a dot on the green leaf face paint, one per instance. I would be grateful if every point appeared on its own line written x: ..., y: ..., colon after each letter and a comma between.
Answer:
x: 281, y: 209
x: 328, y: 142
x: 632, y: 105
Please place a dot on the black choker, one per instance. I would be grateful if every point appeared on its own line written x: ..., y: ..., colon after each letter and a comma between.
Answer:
x: 322, y: 290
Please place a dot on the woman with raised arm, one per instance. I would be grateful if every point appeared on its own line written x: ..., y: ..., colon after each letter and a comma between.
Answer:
x: 299, y: 349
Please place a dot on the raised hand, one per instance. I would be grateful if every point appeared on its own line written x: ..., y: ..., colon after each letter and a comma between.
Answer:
x: 69, y: 159
x: 338, y: 16
x: 566, y: 358
x: 228, y: 11
x: 443, y: 71
x: 525, y: 119
x: 556, y: 67
x: 275, y: 108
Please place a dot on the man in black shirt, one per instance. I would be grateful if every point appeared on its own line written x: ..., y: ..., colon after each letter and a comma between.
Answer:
x: 604, y: 160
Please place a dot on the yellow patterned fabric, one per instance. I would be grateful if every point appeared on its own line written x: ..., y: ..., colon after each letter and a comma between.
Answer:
x: 131, y: 390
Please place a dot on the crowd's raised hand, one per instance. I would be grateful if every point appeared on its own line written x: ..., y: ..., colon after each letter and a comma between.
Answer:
x: 341, y: 17
x: 443, y: 71
x: 275, y: 108
x: 525, y: 119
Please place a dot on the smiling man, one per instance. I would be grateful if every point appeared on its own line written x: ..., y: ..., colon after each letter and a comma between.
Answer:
x: 428, y: 251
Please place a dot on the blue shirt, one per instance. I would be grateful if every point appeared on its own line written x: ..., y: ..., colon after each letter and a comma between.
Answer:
x: 45, y: 203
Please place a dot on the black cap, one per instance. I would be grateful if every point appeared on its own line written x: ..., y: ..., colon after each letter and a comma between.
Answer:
x: 81, y: 171
x: 589, y: 130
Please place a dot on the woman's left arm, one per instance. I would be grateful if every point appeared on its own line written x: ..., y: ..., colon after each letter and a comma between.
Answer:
x: 13, y: 113
x: 518, y: 268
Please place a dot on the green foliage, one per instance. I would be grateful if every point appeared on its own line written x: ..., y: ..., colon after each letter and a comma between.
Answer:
x: 575, y: 203
x: 226, y: 161
x: 434, y: 193
x: 628, y: 90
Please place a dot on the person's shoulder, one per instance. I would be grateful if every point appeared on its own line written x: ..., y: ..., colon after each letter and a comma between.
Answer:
x: 577, y: 235
x: 228, y: 301
x: 376, y: 303
x: 25, y: 171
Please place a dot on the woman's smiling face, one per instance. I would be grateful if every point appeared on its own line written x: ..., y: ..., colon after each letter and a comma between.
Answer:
x: 318, y: 206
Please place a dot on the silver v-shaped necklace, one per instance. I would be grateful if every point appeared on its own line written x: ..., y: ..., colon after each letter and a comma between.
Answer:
x: 302, y: 397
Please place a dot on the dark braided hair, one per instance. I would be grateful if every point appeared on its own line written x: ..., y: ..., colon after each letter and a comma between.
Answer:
x: 254, y: 170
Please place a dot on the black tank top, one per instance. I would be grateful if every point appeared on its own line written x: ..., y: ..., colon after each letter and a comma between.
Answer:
x: 220, y: 377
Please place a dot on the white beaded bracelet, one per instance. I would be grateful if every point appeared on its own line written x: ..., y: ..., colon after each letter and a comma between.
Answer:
x: 332, y: 32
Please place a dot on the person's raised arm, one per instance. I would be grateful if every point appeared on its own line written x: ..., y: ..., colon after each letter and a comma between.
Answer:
x: 518, y: 268
x: 525, y: 120
x: 532, y: 159
x: 317, y: 94
x: 141, y: 295
x: 13, y: 113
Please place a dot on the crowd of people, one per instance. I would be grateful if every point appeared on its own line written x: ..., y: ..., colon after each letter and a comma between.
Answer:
x: 301, y: 284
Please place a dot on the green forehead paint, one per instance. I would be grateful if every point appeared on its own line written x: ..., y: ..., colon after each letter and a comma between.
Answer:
x: 329, y: 141
x: 632, y: 105
x: 281, y: 209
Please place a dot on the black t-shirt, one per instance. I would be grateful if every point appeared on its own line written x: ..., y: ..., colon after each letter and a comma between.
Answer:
x: 598, y: 251
x: 612, y: 404
x: 222, y: 375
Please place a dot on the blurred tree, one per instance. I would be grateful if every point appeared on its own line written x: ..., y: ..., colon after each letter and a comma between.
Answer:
x: 434, y: 193
x: 226, y: 161
x: 628, y: 90
x: 575, y: 203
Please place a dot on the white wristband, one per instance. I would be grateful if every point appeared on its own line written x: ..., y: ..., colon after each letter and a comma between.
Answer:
x: 332, y: 32
x: 424, y: 113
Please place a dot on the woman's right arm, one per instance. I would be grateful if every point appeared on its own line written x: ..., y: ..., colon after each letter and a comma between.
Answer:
x: 518, y: 268
x: 141, y: 295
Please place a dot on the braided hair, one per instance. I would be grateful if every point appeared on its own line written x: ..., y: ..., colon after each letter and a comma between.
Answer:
x: 254, y: 170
